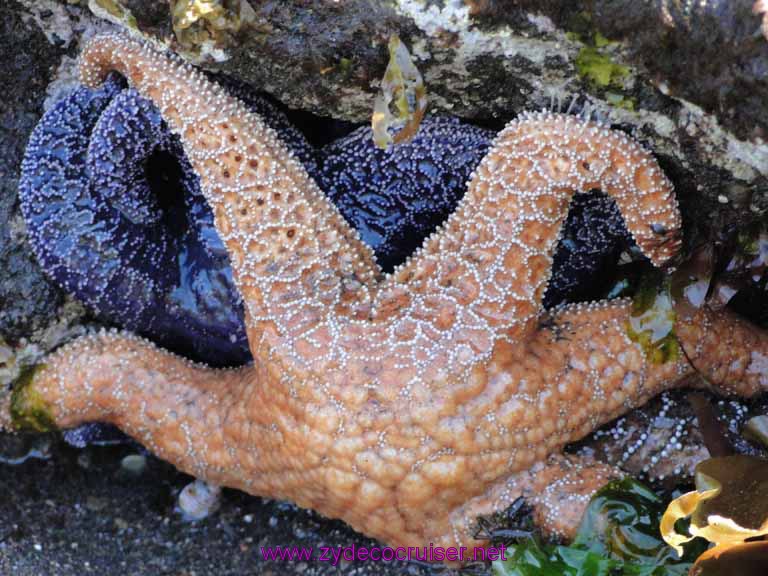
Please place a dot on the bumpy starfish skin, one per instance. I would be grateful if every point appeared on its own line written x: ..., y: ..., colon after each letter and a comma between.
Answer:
x: 404, y: 404
x: 395, y: 197
x: 144, y: 253
x: 100, y: 231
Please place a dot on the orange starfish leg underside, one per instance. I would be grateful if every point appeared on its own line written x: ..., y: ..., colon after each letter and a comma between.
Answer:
x: 404, y: 404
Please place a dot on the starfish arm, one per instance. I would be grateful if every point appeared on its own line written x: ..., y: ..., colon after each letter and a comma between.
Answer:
x: 494, y: 254
x: 730, y: 353
x: 178, y: 409
x: 581, y: 369
x: 289, y: 247
x: 558, y: 490
x: 404, y: 484
x: 307, y: 280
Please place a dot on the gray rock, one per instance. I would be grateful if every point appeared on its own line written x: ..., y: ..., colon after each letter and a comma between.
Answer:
x: 688, y: 78
x: 27, y: 300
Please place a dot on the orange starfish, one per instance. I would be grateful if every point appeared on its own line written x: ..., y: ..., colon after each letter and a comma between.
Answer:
x: 405, y: 404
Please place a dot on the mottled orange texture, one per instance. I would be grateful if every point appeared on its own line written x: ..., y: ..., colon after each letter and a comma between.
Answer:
x: 410, y: 403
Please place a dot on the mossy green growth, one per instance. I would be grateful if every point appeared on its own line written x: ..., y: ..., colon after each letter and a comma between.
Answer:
x: 620, y: 101
x: 598, y: 68
x: 658, y: 352
x: 29, y: 411
x: 618, y: 536
x: 113, y: 10
x: 652, y: 322
x: 594, y: 63
x: 748, y: 240
x: 345, y: 65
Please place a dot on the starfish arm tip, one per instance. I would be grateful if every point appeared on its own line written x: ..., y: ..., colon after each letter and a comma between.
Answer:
x: 26, y: 408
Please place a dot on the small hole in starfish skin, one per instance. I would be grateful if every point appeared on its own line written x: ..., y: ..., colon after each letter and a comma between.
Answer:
x: 291, y: 233
x: 225, y: 174
x: 225, y: 126
x: 276, y: 196
x: 238, y: 158
x: 253, y: 163
x: 243, y: 212
x: 260, y: 201
x: 232, y: 138
x: 585, y: 165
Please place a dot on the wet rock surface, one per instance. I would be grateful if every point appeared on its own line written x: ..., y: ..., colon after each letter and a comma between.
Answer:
x: 650, y: 68
x: 27, y: 300
x: 711, y: 53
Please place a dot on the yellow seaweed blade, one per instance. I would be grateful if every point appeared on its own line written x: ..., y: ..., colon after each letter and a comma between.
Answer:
x: 728, y: 507
x: 402, y: 101
x: 682, y: 507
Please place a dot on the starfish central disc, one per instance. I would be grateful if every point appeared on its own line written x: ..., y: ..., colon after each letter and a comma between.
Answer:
x: 407, y: 403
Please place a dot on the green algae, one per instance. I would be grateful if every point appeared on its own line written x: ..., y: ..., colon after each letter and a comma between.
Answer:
x: 113, y: 10
x: 620, y: 101
x: 29, y: 411
x: 594, y: 62
x: 652, y: 322
x: 618, y: 536
x: 598, y: 68
x: 345, y: 66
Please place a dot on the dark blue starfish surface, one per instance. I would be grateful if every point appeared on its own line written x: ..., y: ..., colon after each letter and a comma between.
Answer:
x: 116, y: 215
x: 397, y: 197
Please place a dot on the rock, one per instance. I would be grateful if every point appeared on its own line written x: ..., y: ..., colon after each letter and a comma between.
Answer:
x: 27, y: 300
x: 711, y: 53
x: 198, y: 500
x: 17, y: 449
x: 95, y: 504
x: 651, y: 68
x: 133, y: 464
